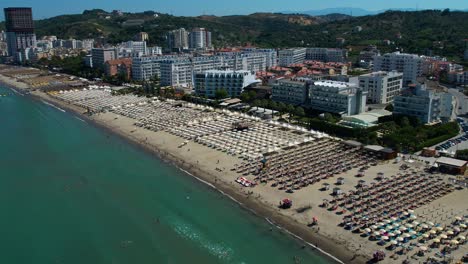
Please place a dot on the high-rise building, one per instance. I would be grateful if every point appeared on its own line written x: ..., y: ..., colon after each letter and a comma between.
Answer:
x: 141, y: 36
x: 200, y: 38
x: 20, y: 32
x: 178, y: 39
x: 411, y: 65
x: 381, y: 87
x: 101, y: 55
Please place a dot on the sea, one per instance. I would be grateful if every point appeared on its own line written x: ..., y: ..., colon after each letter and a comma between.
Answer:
x: 71, y: 192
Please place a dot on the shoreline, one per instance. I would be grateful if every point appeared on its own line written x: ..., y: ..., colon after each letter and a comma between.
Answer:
x: 328, y: 247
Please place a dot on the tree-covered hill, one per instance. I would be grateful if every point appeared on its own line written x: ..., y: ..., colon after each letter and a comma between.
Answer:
x: 443, y: 32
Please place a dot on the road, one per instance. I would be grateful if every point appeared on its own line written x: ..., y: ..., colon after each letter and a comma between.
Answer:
x: 461, y: 101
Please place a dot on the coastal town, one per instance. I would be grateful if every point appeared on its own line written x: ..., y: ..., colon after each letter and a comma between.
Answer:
x: 321, y: 142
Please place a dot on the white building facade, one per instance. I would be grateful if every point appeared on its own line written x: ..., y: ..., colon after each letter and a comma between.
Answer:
x: 233, y: 82
x: 426, y: 105
x: 337, y: 97
x: 291, y: 56
x: 410, y: 65
x: 381, y: 87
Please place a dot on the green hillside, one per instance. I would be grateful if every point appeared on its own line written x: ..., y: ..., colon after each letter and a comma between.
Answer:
x: 443, y: 32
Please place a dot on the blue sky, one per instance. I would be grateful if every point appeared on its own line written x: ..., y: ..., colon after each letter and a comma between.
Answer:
x: 47, y: 8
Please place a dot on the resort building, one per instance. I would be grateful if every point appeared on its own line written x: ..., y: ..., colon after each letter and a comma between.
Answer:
x: 179, y: 70
x: 326, y: 54
x: 291, y: 56
x: 233, y: 82
x: 337, y: 97
x: 293, y: 92
x: 426, y: 105
x: 411, y: 65
x: 381, y: 86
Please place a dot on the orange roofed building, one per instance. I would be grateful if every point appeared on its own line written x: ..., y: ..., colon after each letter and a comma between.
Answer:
x: 114, y: 67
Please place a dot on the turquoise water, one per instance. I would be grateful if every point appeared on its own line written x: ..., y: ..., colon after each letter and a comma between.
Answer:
x: 72, y: 193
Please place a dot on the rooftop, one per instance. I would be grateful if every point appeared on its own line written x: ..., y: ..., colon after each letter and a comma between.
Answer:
x: 335, y: 84
x: 451, y: 162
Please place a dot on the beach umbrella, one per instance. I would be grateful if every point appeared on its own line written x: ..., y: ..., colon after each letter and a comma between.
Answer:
x: 456, y: 229
x: 391, y: 234
x: 412, y: 232
x: 376, y: 234
x: 394, y: 218
x: 415, y: 223
x: 450, y: 232
x: 374, y: 227
x: 425, y: 235
x: 410, y: 211
x: 385, y: 238
x: 402, y: 228
x: 423, y: 248
x: 454, y: 242
x: 398, y: 232
x: 436, y: 240
x: 458, y: 218
x: 463, y: 226
x: 462, y: 237
x: 394, y: 242
x: 413, y: 217
x: 368, y: 230
x: 387, y: 221
x: 424, y: 226
x: 400, y: 239
x: 430, y: 223
x: 443, y: 236
x: 433, y: 232
x: 439, y: 228
x: 409, y: 225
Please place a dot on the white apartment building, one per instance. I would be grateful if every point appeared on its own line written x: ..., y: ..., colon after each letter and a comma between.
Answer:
x: 291, y: 91
x: 144, y: 68
x: 179, y: 70
x: 233, y: 82
x: 411, y: 65
x: 326, y: 54
x: 337, y: 97
x: 426, y: 105
x: 381, y: 87
x: 287, y: 57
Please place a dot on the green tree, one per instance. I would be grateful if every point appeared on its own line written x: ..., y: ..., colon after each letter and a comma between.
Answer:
x: 221, y: 93
x: 405, y: 122
x: 299, y: 111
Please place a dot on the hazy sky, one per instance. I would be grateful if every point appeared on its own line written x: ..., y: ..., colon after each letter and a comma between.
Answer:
x: 48, y: 8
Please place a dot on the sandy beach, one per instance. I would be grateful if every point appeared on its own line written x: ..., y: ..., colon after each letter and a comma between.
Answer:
x: 215, y: 168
